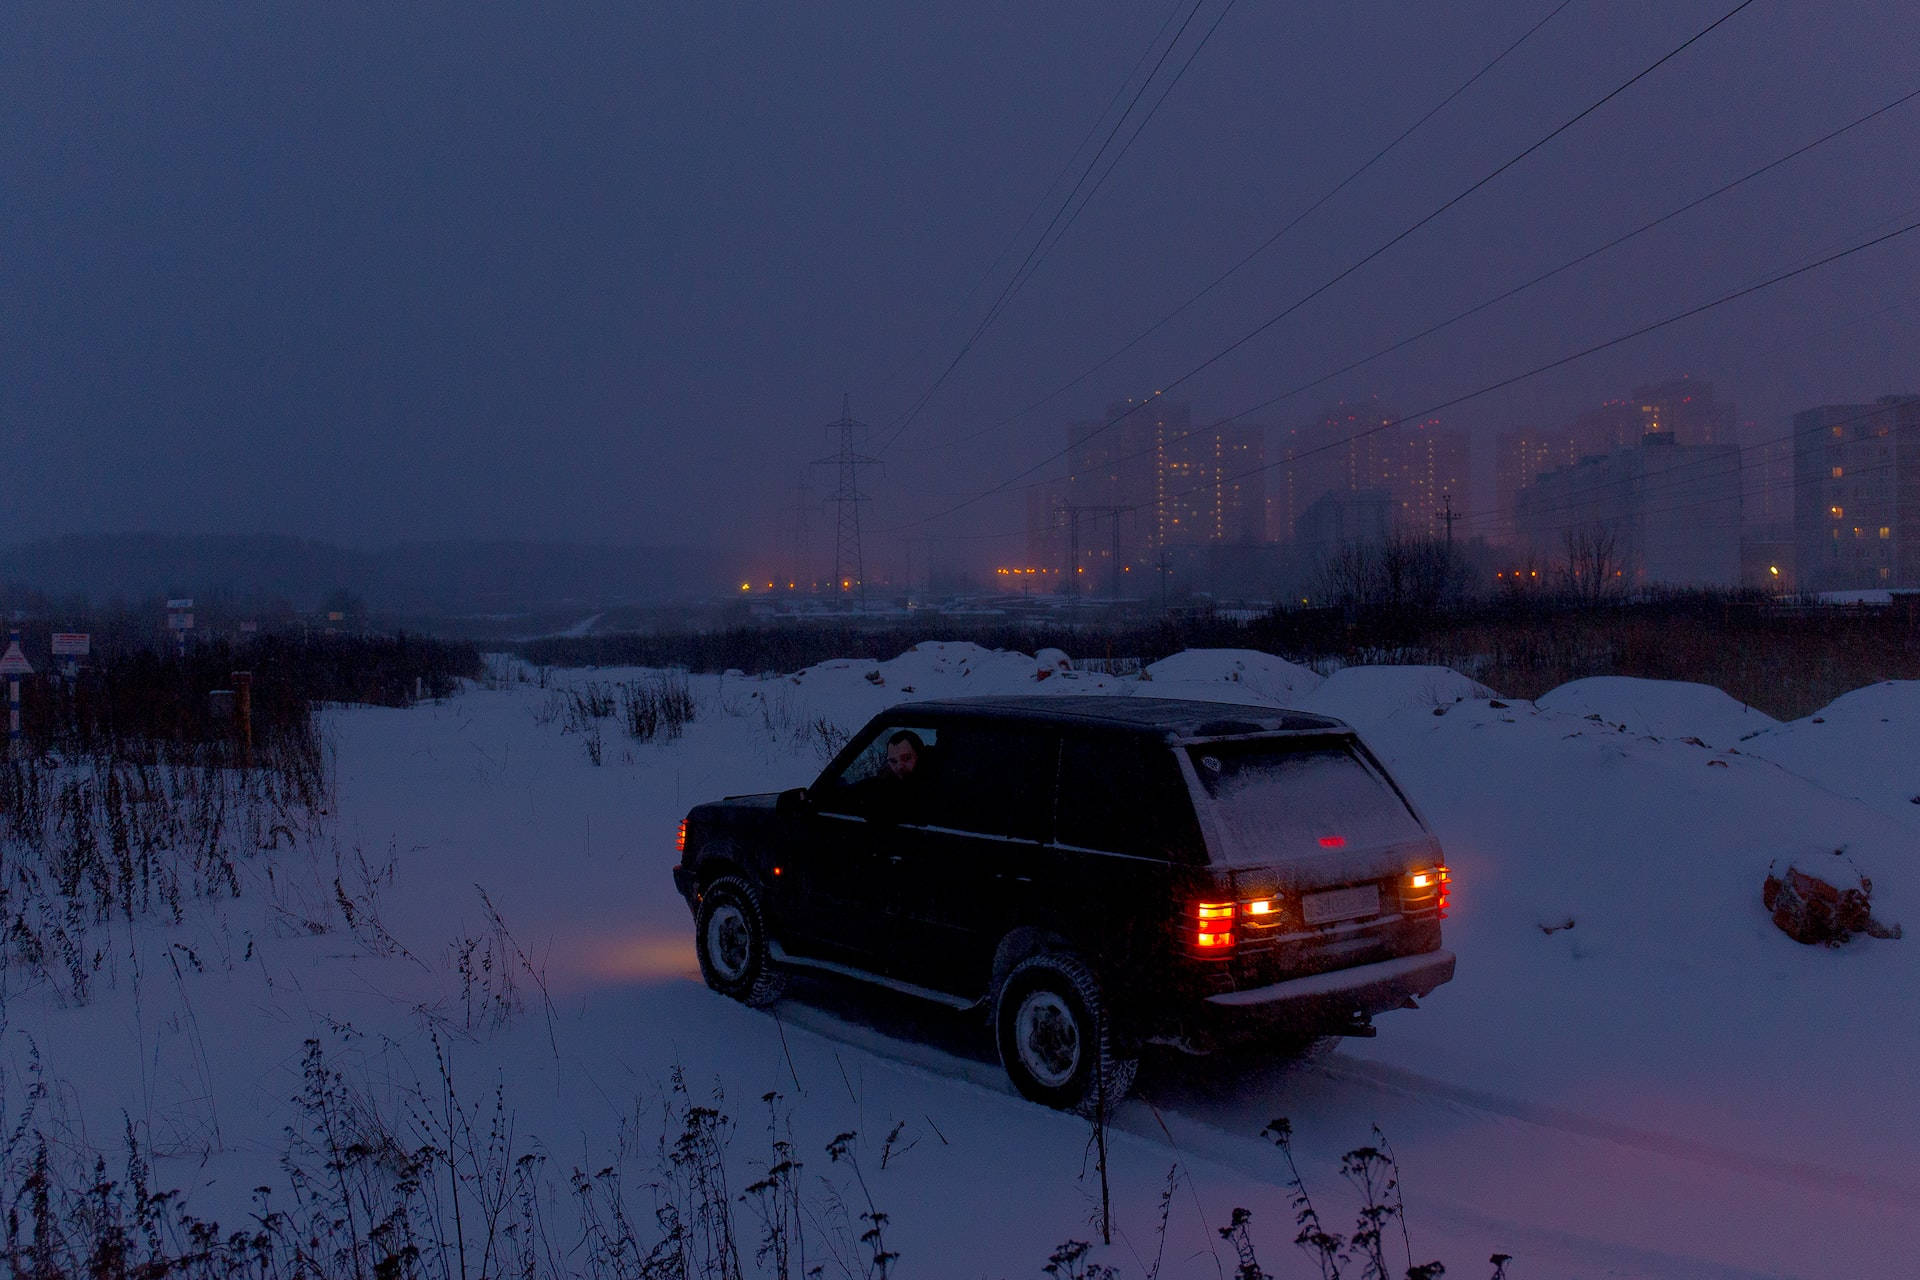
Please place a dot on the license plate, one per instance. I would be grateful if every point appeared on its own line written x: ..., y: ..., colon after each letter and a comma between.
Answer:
x: 1341, y: 904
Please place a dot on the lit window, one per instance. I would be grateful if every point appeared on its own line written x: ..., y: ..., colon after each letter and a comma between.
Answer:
x: 1885, y: 572
x: 1836, y: 473
x: 1838, y: 432
x: 1886, y: 531
x: 1837, y: 512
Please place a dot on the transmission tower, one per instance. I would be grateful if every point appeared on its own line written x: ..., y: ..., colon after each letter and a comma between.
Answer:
x: 849, y: 572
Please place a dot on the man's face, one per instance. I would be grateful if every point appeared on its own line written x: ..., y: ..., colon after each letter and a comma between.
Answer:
x: 901, y: 758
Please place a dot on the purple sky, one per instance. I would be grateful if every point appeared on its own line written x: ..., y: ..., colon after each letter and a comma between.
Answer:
x: 602, y: 272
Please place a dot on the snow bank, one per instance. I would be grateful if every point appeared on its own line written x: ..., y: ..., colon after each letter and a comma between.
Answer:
x: 1861, y: 745
x: 1232, y: 675
x: 1368, y: 697
x: 1660, y: 708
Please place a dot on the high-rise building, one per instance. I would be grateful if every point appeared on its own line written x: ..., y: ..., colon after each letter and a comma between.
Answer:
x: 1519, y: 458
x: 1364, y: 445
x: 1210, y: 486
x: 1856, y: 495
x: 1427, y: 468
x: 1331, y: 454
x: 1144, y: 479
x: 1686, y: 409
x: 1614, y: 425
x: 1668, y: 513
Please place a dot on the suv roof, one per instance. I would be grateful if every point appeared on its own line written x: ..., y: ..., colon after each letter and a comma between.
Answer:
x: 1168, y: 718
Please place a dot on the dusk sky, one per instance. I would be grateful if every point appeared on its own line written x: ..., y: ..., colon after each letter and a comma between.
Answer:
x: 603, y: 272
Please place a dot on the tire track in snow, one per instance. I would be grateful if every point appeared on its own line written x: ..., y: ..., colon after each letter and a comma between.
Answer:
x: 1794, y: 1173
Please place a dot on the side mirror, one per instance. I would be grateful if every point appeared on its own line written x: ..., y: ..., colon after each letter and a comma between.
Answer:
x: 794, y: 800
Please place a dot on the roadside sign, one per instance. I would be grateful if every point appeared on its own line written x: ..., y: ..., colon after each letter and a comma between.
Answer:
x: 72, y: 644
x: 15, y: 662
x: 177, y: 605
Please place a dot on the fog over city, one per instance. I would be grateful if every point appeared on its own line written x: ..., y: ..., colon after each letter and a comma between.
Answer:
x: 604, y: 274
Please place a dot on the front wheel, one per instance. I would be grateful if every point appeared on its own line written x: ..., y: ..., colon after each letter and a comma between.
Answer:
x: 1051, y: 1026
x: 730, y: 933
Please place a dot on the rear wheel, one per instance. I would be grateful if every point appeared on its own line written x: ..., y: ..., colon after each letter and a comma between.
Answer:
x: 730, y: 934
x: 1051, y: 1026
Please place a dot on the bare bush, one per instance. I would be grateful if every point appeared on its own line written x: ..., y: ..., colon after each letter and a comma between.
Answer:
x: 658, y: 706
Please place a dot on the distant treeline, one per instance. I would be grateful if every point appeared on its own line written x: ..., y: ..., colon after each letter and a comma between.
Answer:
x: 261, y: 575
x: 1785, y: 660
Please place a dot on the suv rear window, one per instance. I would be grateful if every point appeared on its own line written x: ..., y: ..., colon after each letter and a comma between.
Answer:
x: 1279, y: 800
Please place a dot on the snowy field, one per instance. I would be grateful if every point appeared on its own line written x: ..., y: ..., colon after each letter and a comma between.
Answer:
x: 1633, y: 1074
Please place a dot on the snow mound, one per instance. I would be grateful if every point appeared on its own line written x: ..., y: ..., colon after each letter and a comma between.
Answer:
x: 1200, y: 672
x: 849, y: 691
x: 1367, y: 696
x: 1660, y: 708
x: 1864, y: 744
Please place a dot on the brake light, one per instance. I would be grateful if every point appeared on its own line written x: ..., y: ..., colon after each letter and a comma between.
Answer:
x: 1213, y: 926
x: 680, y: 838
x: 1333, y: 842
x: 1428, y: 888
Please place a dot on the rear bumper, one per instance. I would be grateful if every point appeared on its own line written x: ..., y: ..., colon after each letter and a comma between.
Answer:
x: 1320, y: 1003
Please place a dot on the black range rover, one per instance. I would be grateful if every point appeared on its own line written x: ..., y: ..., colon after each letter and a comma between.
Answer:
x: 1098, y: 873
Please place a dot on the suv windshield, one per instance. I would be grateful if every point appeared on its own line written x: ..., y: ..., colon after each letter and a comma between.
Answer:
x: 1280, y: 800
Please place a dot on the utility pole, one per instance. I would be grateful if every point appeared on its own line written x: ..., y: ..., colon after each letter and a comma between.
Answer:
x: 849, y: 570
x: 1073, y: 550
x: 1074, y: 511
x: 802, y: 564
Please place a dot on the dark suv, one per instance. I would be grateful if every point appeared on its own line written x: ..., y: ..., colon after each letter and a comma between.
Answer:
x: 1099, y: 873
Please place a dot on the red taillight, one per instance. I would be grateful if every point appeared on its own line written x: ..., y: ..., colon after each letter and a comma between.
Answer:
x: 1333, y: 842
x: 1426, y: 890
x: 1213, y: 926
x: 680, y: 838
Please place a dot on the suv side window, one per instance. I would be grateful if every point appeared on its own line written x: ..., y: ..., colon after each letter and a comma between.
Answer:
x: 994, y: 781
x: 867, y: 785
x: 1124, y: 794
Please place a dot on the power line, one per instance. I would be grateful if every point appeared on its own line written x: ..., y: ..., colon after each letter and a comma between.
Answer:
x: 1065, y: 168
x: 1042, y: 244
x: 1573, y: 262
x: 1597, y: 347
x: 1294, y: 306
x: 1562, y: 361
x: 1584, y: 257
x: 1269, y: 242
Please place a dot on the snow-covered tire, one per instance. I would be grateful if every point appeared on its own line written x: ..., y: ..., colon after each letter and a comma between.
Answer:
x: 1051, y: 1026
x: 730, y: 934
